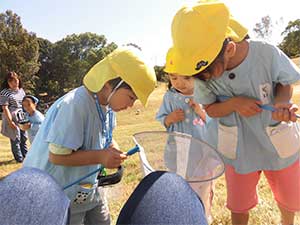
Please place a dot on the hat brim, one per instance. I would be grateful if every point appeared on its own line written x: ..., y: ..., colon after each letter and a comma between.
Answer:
x: 129, y: 67
x: 177, y: 63
x: 98, y: 75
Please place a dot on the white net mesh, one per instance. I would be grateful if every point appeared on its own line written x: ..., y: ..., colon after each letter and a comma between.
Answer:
x: 193, y: 159
x: 190, y: 158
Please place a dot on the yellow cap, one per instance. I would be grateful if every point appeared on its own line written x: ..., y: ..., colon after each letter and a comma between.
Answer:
x: 198, y: 33
x: 129, y: 66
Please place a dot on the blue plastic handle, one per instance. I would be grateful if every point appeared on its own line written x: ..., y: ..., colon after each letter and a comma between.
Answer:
x: 130, y: 152
x: 133, y: 150
x: 264, y: 107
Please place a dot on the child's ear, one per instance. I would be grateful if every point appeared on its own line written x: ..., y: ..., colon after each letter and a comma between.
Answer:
x: 230, y: 49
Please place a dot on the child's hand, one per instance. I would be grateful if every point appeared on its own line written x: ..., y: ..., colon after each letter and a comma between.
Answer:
x: 198, y: 109
x: 247, y: 107
x: 285, y: 112
x: 13, y: 125
x: 25, y: 126
x: 174, y: 117
x: 112, y: 158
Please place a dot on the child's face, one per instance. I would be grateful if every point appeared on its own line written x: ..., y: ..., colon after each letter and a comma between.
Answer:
x: 28, y: 106
x: 221, y: 63
x: 122, y: 99
x: 183, y: 84
x: 215, y: 70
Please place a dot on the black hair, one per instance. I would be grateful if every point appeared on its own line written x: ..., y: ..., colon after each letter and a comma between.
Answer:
x: 169, y: 82
x: 219, y: 58
x: 10, y: 76
x: 31, y: 98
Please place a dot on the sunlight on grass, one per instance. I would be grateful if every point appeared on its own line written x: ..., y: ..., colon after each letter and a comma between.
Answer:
x: 129, y: 123
x: 7, y: 162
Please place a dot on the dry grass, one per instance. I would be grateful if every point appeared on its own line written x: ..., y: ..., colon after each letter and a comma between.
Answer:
x: 7, y: 163
x: 130, y: 122
x: 265, y: 213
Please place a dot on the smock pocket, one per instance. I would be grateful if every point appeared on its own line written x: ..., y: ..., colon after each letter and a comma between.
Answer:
x: 285, y: 138
x: 227, y: 141
x: 85, y: 193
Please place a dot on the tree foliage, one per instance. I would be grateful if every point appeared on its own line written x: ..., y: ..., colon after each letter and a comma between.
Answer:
x: 161, y: 75
x: 64, y: 63
x: 45, y: 67
x: 291, y: 41
x: 18, y: 49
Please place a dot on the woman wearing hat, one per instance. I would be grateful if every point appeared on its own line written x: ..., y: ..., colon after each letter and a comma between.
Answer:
x: 76, y: 135
x: 237, y: 79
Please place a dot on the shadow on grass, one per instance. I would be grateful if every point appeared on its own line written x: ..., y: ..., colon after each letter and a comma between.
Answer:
x: 12, y: 161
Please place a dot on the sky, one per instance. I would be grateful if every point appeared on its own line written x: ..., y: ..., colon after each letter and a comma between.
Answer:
x: 146, y: 23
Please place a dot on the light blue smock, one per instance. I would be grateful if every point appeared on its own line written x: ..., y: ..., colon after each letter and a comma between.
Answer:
x: 71, y: 122
x: 35, y: 122
x: 256, y: 77
x: 190, y: 125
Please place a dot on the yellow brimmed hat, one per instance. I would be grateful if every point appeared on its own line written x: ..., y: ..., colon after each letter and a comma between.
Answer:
x: 129, y: 66
x: 198, y: 33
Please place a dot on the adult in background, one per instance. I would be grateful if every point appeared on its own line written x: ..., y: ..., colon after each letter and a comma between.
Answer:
x: 11, y: 97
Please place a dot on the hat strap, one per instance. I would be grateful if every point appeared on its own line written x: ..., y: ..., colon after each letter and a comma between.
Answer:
x: 114, y: 91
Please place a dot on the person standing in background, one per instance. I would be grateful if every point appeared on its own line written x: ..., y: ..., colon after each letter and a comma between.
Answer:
x: 11, y: 97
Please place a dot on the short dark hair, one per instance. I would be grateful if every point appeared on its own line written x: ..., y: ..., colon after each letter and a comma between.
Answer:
x: 31, y: 98
x: 218, y: 58
x: 10, y: 76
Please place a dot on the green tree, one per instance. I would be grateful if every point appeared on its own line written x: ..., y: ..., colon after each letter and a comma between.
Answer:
x: 18, y: 49
x: 45, y: 85
x: 291, y: 41
x: 64, y: 63
x: 161, y: 75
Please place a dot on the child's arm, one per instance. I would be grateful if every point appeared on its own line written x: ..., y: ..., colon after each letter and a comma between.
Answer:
x: 285, y: 109
x: 283, y: 93
x: 109, y: 158
x: 198, y: 109
x: 115, y: 144
x: 244, y: 106
x: 174, y: 117
x: 37, y: 121
x: 9, y: 117
x: 166, y: 114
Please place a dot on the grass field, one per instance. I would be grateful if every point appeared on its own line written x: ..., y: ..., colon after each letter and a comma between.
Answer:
x: 139, y: 119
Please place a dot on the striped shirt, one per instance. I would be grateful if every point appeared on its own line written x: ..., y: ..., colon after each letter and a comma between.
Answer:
x: 12, y: 99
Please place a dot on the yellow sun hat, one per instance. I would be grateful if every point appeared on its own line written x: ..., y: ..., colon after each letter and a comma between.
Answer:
x: 198, y: 33
x: 126, y: 63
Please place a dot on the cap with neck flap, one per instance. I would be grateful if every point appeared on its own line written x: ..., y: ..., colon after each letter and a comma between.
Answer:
x: 127, y: 64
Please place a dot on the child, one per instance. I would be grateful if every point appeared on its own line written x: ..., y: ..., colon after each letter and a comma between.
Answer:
x: 35, y: 117
x: 179, y: 112
x: 76, y: 135
x: 251, y: 73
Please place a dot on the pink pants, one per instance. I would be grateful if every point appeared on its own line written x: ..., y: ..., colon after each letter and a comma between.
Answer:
x: 242, y: 188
